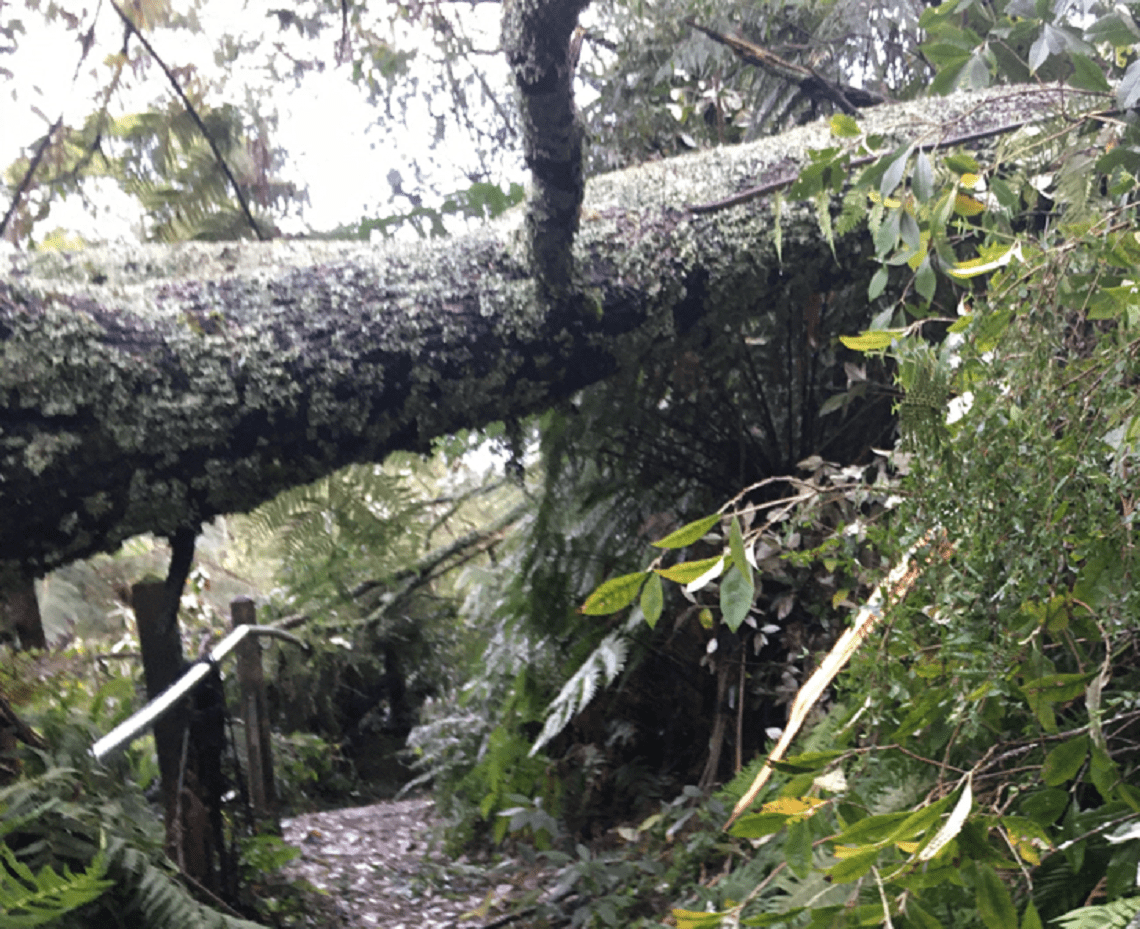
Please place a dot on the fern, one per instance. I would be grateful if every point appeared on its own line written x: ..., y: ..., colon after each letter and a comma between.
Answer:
x: 33, y: 899
x: 111, y: 834
x: 359, y: 506
x: 606, y: 661
x: 154, y: 897
x: 852, y: 213
x: 1116, y: 915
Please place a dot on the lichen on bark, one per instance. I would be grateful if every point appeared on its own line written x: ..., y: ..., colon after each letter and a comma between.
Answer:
x: 150, y: 388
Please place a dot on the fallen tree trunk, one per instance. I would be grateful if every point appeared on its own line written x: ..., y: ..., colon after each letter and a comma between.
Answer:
x: 152, y: 388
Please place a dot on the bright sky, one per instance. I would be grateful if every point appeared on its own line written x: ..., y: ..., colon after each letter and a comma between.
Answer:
x: 336, y: 148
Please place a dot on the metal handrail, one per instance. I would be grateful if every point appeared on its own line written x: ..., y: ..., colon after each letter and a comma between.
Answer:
x: 130, y: 729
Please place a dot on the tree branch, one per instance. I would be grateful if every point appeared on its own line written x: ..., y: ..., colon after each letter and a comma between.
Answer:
x: 27, y: 178
x: 190, y: 108
x: 537, y: 39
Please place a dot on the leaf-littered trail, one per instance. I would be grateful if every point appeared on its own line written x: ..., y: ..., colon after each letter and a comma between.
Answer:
x: 382, y: 865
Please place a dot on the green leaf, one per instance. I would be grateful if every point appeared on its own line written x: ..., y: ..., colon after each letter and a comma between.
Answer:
x: 844, y: 126
x: 922, y: 180
x: 995, y: 905
x: 1128, y: 90
x: 614, y: 594
x: 736, y: 546
x: 1039, y: 52
x: 1103, y: 772
x: 1044, y: 806
x: 962, y: 324
x: 688, y: 571
x: 30, y: 899
x: 771, y: 919
x: 871, y: 340
x: 871, y: 829
x: 698, y: 919
x: 1113, y: 30
x: 878, y: 283
x: 925, y: 281
x: 909, y: 232
x: 948, y: 78
x: 688, y: 534
x: 920, y: 820
x: 777, y: 224
x: 919, y: 917
x: 811, y: 181
x: 1057, y: 688
x: 962, y: 164
x: 797, y: 849
x: 854, y: 866
x: 736, y: 592
x: 1087, y: 74
x: 893, y: 175
x: 991, y: 328
x: 808, y: 761
x: 945, y: 55
x: 756, y: 825
x: 652, y: 600
x: 1064, y: 761
x: 887, y: 235
x: 1030, y: 919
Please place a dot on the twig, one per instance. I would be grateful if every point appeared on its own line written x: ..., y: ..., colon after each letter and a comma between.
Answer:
x: 506, y: 920
x: 27, y: 178
x: 752, y: 193
x: 197, y: 120
x: 807, y: 79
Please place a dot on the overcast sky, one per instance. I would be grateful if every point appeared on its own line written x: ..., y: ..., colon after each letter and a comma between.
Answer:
x: 329, y: 130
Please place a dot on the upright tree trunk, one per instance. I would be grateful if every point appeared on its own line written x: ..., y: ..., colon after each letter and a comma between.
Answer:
x: 20, y: 614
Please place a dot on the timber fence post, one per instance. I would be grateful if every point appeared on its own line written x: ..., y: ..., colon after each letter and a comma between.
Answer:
x: 161, y: 649
x: 254, y: 709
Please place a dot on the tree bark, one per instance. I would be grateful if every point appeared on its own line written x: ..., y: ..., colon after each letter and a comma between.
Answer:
x: 536, y: 36
x: 153, y: 388
x: 20, y: 614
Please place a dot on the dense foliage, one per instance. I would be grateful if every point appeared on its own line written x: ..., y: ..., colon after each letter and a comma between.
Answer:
x: 978, y: 764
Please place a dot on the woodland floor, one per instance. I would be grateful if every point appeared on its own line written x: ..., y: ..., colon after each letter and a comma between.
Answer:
x: 382, y: 865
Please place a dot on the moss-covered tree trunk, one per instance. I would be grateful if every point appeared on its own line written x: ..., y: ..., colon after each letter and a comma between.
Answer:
x: 151, y: 388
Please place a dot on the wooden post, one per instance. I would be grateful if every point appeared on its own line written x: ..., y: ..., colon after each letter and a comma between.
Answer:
x: 162, y: 666
x: 254, y: 710
x: 189, y: 838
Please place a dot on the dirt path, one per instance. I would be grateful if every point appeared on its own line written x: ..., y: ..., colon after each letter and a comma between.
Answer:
x: 381, y: 868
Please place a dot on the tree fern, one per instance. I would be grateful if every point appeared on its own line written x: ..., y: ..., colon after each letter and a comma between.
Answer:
x: 359, y: 505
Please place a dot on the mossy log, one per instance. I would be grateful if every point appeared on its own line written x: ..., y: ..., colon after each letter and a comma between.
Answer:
x: 151, y: 388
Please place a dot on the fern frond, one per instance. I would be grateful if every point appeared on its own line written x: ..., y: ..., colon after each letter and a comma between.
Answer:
x: 1115, y: 915
x: 156, y: 899
x: 32, y: 899
x: 606, y: 661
